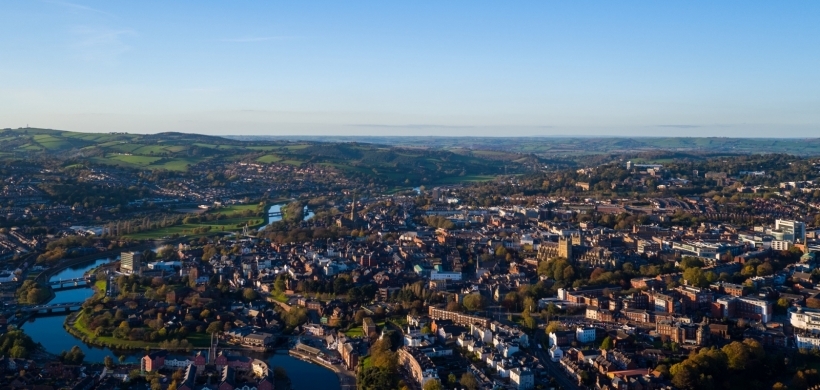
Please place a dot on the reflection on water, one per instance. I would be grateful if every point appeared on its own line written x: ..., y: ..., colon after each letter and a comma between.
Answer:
x: 304, y: 375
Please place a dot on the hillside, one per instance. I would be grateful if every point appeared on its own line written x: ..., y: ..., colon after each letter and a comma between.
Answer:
x: 181, y: 152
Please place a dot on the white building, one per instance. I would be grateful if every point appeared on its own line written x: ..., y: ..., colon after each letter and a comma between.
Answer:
x: 556, y: 353
x: 585, y: 335
x: 793, y: 231
x: 805, y: 319
x: 781, y: 245
x: 807, y: 342
x: 522, y: 377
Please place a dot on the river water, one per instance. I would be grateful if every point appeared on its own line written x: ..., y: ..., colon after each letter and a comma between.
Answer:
x: 277, y: 209
x: 49, y: 331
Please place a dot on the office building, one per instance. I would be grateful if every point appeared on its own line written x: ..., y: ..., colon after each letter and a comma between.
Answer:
x: 131, y: 262
x: 793, y: 231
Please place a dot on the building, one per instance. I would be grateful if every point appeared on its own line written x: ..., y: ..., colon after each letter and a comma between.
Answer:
x: 523, y: 378
x: 736, y: 290
x: 743, y: 307
x: 694, y: 298
x: 585, y: 334
x: 457, y: 318
x: 561, y: 338
x: 793, y: 231
x: 807, y: 341
x: 419, y: 365
x: 682, y: 333
x: 805, y: 319
x: 443, y: 275
x: 131, y: 262
x: 368, y: 326
x: 556, y: 353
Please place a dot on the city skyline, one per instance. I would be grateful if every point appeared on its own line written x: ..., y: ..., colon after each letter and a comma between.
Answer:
x: 456, y: 69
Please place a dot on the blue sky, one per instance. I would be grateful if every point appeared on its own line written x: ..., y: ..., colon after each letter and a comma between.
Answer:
x: 731, y: 68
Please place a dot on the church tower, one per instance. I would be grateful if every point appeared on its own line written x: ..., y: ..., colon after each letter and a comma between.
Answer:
x: 565, y: 248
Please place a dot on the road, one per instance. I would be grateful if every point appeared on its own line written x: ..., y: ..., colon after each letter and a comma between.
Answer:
x: 554, y: 369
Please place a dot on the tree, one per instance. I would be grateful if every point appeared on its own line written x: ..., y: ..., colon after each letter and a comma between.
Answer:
x: 779, y: 386
x: 527, y: 321
x: 691, y: 262
x: 455, y: 306
x: 74, y: 356
x: 554, y: 326
x: 474, y: 302
x: 452, y: 379
x: 384, y: 357
x: 214, y: 327
x: 685, y: 375
x: 359, y: 316
x: 765, y: 269
x: 606, y: 344
x: 432, y: 385
x: 695, y: 277
x: 782, y: 305
x: 738, y: 354
x: 18, y: 351
x: 108, y: 361
x: 249, y: 294
x: 469, y: 381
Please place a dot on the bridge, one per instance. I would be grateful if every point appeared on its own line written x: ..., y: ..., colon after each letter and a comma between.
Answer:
x: 66, y: 284
x: 48, y: 308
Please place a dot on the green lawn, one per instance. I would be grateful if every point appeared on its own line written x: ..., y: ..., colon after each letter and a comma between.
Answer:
x: 355, y: 332
x: 281, y: 297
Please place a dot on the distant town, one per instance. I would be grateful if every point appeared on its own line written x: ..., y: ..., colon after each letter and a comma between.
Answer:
x: 637, y: 271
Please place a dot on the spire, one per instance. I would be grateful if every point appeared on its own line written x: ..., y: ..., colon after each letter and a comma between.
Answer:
x: 353, y: 208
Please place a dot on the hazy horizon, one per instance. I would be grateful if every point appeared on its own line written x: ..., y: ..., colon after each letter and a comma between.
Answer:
x: 456, y: 69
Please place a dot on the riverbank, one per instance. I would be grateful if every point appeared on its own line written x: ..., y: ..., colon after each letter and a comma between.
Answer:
x: 347, y: 378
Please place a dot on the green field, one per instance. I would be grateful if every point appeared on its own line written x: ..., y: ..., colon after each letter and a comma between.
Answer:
x: 269, y: 158
x: 229, y: 225
x: 234, y: 223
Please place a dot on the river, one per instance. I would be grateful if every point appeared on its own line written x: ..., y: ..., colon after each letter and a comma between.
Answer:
x: 49, y: 331
x: 275, y: 213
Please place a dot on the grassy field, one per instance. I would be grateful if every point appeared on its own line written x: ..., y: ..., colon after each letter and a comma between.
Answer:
x: 231, y: 224
x: 269, y: 158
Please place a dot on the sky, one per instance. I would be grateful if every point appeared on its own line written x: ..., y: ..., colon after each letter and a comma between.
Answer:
x: 446, y: 68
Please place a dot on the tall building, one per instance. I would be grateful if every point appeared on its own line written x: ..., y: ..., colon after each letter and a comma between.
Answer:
x: 565, y: 248
x: 793, y: 231
x: 130, y: 262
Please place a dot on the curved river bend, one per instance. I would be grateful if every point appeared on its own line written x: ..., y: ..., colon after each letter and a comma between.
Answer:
x: 49, y: 331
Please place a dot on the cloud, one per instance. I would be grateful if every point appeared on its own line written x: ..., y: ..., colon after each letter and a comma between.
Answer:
x: 95, y: 43
x: 255, y: 39
x: 80, y: 7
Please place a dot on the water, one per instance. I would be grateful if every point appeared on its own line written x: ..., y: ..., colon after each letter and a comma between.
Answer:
x: 49, y: 331
x: 277, y: 209
x: 304, y: 375
x: 79, y: 270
